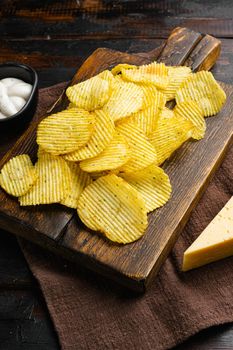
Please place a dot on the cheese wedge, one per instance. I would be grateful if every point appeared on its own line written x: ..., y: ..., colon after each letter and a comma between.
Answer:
x: 214, y: 243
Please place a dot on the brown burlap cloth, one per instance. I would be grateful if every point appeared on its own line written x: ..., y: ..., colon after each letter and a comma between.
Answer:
x: 89, y: 312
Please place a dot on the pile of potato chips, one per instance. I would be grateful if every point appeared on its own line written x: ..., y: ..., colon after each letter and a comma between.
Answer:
x: 102, y: 154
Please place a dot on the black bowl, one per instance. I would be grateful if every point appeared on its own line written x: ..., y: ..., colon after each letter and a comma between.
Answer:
x: 29, y: 75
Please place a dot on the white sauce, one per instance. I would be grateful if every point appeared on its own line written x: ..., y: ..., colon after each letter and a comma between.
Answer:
x: 14, y: 93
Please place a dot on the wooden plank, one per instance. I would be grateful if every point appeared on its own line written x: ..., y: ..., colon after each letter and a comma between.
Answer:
x: 69, y: 9
x: 58, y: 60
x: 90, y: 248
x: 24, y: 323
x: 141, y: 19
x: 56, y: 68
x: 145, y: 26
x: 112, y: 19
x: 177, y: 49
x: 43, y: 53
x: 14, y: 272
x: 214, y: 338
x: 204, y: 54
x: 184, y: 41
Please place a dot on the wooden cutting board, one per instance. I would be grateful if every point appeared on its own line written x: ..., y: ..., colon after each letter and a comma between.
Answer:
x: 190, y: 168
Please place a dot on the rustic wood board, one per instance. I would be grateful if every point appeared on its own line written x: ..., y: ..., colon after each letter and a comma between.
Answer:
x: 190, y: 168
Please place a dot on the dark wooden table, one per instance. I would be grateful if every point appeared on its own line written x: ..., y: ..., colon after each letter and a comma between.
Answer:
x: 55, y: 38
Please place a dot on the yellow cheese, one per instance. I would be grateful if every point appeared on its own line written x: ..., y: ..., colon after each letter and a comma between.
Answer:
x: 214, y: 243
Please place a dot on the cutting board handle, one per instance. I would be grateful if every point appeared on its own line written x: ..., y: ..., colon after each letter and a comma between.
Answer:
x: 186, y: 47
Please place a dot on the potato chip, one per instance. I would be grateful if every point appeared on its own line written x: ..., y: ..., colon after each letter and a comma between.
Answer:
x: 79, y: 180
x: 110, y: 205
x: 107, y: 75
x: 166, y: 113
x: 204, y: 89
x: 91, y: 94
x: 113, y: 156
x: 126, y: 98
x: 71, y: 105
x: 40, y: 151
x: 65, y: 131
x: 142, y: 151
x: 153, y: 73
x: 169, y: 135
x: 176, y: 77
x: 102, y: 135
x: 18, y: 175
x: 117, y: 69
x: 147, y: 118
x: 190, y: 110
x: 153, y: 184
x: 118, y: 79
x: 53, y: 181
x: 152, y: 96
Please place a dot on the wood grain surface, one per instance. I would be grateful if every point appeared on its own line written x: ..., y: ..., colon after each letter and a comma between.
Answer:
x: 122, y: 19
x: 55, y: 50
x: 59, y: 229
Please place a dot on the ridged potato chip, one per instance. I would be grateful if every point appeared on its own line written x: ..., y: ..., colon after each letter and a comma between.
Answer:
x: 142, y: 151
x: 153, y: 73
x: 40, y: 151
x: 110, y: 205
x: 65, y: 131
x: 169, y: 135
x: 153, y: 184
x: 116, y: 154
x: 176, y: 77
x: 126, y: 98
x: 117, y: 69
x: 18, y: 175
x: 166, y: 113
x: 190, y: 110
x: 204, y: 89
x: 91, y: 94
x: 147, y: 118
x: 118, y: 79
x: 52, y: 184
x: 150, y: 95
x: 79, y: 180
x: 71, y: 105
x: 102, y: 135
